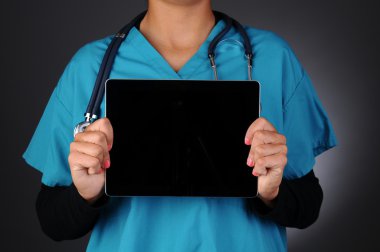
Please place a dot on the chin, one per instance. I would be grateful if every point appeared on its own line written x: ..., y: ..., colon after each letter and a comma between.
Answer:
x: 183, y: 2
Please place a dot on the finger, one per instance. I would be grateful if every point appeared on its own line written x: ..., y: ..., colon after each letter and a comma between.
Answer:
x: 98, y: 138
x: 85, y: 163
x: 275, y: 163
x: 259, y: 124
x: 93, y: 171
x: 91, y: 149
x: 95, y: 137
x: 263, y: 137
x: 103, y: 125
x: 263, y: 150
x: 267, y: 137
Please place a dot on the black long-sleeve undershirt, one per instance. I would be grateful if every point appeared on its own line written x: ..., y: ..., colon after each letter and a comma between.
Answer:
x: 296, y: 205
x: 65, y: 215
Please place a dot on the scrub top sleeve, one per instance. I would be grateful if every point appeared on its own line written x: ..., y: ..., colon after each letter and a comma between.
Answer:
x: 49, y: 147
x: 307, y: 128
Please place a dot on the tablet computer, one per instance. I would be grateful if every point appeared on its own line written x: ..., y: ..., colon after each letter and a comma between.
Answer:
x: 180, y: 137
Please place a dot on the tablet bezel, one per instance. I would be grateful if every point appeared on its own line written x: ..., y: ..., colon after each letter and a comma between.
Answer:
x: 212, y: 196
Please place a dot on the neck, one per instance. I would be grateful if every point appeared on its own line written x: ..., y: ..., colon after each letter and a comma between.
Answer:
x: 177, y: 24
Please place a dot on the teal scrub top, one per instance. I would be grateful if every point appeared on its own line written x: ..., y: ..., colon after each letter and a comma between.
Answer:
x: 289, y: 102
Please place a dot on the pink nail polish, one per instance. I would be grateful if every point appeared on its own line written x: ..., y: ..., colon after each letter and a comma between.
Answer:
x: 255, y: 174
x: 107, y: 164
x: 249, y: 162
x: 246, y: 141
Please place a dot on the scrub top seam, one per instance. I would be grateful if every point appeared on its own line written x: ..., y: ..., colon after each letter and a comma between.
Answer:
x: 294, y: 91
x: 151, y: 54
x: 323, y: 146
x: 63, y: 105
x: 219, y: 26
x: 188, y: 76
x: 156, y: 65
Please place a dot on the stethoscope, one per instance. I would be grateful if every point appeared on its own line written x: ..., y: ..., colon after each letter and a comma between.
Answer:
x: 92, y: 110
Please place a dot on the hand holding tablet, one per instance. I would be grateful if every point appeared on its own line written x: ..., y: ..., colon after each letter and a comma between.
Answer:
x: 89, y: 157
x: 268, y: 156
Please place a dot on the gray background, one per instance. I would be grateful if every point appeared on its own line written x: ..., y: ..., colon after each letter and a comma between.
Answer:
x: 336, y: 41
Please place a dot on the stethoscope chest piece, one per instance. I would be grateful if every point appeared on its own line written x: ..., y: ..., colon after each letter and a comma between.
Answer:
x: 81, y: 127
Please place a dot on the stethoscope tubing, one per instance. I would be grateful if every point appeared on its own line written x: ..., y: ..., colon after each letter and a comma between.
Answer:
x: 93, y: 106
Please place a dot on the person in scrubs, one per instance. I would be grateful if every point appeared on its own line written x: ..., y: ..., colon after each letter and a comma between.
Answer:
x: 171, y: 43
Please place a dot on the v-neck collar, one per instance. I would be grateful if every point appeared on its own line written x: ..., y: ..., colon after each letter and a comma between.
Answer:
x: 142, y: 45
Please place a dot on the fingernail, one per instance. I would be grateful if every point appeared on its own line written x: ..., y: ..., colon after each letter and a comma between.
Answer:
x: 255, y: 174
x: 246, y: 141
x: 249, y: 161
x: 107, y: 164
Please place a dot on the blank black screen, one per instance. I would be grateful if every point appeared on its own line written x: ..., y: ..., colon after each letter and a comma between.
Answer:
x: 181, y: 137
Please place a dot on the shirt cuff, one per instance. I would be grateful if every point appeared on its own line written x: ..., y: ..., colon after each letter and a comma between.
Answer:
x: 83, y: 205
x: 261, y: 209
